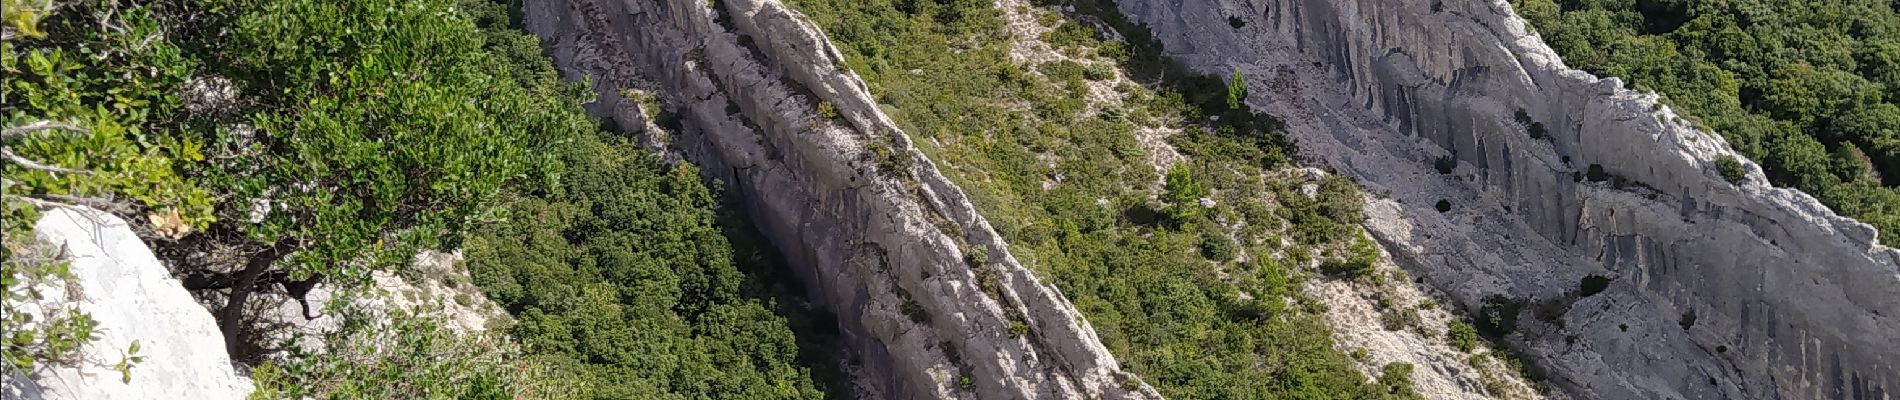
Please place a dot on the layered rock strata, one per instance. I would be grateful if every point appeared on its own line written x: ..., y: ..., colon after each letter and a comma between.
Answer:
x: 1720, y: 290
x: 925, y: 291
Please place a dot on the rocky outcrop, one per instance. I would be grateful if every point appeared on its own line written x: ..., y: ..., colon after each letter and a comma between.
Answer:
x: 925, y: 291
x: 132, y: 297
x: 1720, y: 291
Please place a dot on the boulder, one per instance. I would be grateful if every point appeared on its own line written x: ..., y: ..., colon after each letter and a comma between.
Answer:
x: 134, y: 299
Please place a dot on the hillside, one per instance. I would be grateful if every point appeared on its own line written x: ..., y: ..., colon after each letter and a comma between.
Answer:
x: 950, y: 199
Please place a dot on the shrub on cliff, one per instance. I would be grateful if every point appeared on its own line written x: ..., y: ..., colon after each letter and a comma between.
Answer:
x: 1462, y: 336
x: 1731, y: 169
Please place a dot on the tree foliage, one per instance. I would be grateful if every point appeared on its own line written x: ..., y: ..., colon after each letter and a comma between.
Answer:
x: 621, y: 276
x: 1807, y: 87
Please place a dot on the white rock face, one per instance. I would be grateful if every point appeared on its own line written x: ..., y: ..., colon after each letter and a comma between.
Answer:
x: 132, y: 297
x: 884, y: 250
x: 1791, y: 300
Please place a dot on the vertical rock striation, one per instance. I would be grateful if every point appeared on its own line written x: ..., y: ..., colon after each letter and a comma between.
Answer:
x: 869, y: 225
x: 1720, y: 291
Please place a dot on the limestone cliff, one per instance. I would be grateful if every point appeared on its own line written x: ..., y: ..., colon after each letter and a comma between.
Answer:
x: 881, y: 238
x: 1720, y: 291
x: 132, y: 297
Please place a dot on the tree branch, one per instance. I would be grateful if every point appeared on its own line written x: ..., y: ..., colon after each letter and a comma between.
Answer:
x: 70, y: 202
x: 20, y: 131
x: 7, y: 153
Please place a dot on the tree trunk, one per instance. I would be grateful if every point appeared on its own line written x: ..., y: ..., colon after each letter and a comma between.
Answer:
x: 231, y: 318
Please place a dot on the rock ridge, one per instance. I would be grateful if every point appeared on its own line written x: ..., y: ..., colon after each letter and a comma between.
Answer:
x: 926, y: 292
x: 1720, y: 291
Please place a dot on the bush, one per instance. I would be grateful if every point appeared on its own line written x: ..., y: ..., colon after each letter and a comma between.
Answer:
x: 1359, y: 262
x: 1098, y: 72
x: 1398, y: 318
x: 1688, y: 319
x: 827, y: 111
x: 1596, y: 173
x: 412, y: 357
x: 1216, y: 246
x: 1183, y: 194
x: 1462, y: 336
x: 1397, y: 379
x: 1237, y: 92
x: 1497, y: 316
x: 1443, y: 206
x: 1731, y: 169
x: 977, y: 257
x: 1445, y: 164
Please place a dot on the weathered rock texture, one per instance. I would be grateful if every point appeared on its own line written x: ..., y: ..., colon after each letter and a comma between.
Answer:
x: 133, y: 298
x: 1790, y: 300
x: 867, y: 222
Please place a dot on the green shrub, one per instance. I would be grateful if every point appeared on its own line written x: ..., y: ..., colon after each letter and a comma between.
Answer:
x: 1443, y: 206
x: 1397, y: 379
x: 1098, y: 72
x: 1688, y: 319
x: 827, y: 111
x: 1462, y: 336
x: 1497, y: 316
x: 1398, y: 318
x: 1237, y: 92
x: 1360, y: 261
x: 411, y: 357
x: 1731, y: 169
x: 1216, y: 246
x: 1445, y: 164
x: 977, y: 257
x: 1183, y: 194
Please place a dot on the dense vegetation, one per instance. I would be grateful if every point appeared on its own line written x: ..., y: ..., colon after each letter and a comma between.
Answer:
x: 1809, y: 88
x: 260, y: 143
x: 1200, y: 301
x: 622, y: 274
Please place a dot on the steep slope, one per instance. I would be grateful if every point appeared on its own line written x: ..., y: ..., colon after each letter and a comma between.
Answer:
x: 886, y: 240
x: 1720, y: 290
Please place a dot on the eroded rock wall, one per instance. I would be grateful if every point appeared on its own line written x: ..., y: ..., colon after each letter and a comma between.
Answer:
x: 1789, y: 300
x: 869, y: 225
